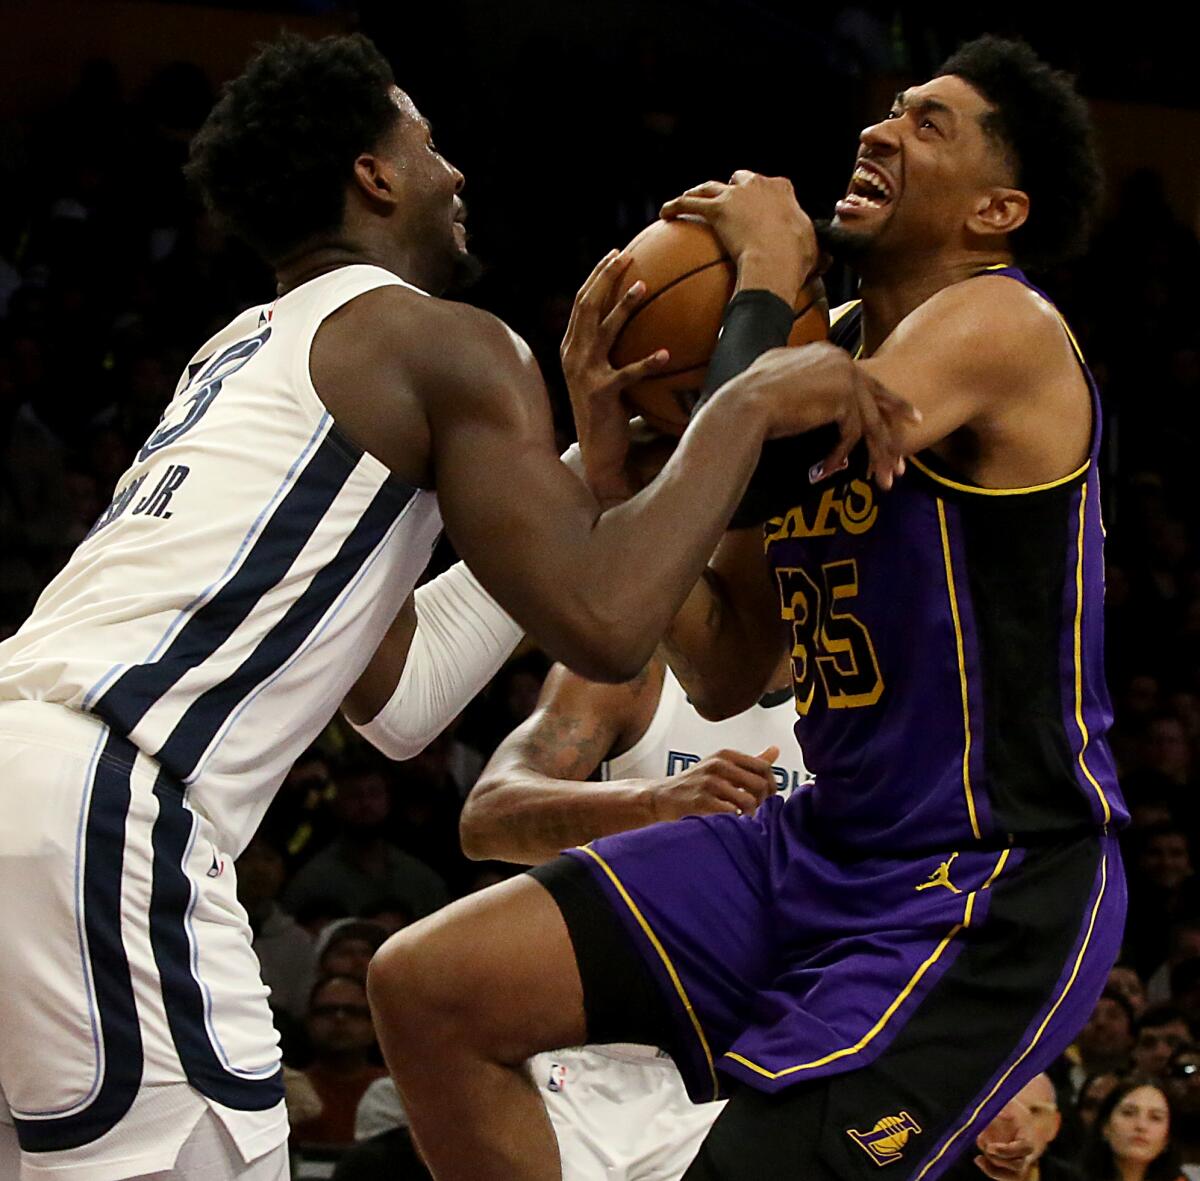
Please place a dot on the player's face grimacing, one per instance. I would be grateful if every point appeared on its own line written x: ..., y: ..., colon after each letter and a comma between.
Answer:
x: 434, y: 222
x: 924, y: 174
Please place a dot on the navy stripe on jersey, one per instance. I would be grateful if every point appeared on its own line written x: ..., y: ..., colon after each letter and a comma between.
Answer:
x: 120, y: 1035
x: 183, y: 997
x: 203, y: 719
x: 130, y: 697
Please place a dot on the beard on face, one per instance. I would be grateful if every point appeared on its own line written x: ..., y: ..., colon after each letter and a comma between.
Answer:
x: 466, y: 270
x: 843, y: 243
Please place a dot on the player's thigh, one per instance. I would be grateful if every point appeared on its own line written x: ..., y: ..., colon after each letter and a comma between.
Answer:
x: 497, y: 967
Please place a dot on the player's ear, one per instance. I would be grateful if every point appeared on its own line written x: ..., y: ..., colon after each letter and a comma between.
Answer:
x: 375, y: 179
x: 999, y: 211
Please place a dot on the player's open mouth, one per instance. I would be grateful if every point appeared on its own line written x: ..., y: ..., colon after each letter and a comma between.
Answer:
x: 870, y: 188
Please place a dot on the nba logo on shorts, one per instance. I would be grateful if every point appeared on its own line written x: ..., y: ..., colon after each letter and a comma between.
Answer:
x: 558, y: 1077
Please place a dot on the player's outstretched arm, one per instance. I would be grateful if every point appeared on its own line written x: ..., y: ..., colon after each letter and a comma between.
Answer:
x: 534, y: 799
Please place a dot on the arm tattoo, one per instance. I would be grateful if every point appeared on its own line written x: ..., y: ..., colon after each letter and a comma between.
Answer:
x: 566, y: 747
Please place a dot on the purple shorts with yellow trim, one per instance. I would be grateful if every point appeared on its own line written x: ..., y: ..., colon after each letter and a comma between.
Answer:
x: 945, y: 981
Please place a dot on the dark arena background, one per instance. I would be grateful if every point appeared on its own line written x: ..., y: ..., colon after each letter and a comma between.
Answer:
x: 573, y: 122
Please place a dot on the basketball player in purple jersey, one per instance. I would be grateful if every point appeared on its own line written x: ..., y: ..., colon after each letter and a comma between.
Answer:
x: 873, y: 967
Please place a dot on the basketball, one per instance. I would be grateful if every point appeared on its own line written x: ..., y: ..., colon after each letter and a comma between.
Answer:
x: 689, y: 279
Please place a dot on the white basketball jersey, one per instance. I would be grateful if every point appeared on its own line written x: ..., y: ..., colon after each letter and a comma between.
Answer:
x: 678, y: 738
x: 247, y: 568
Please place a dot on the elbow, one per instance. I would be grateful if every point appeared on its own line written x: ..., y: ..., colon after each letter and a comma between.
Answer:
x: 716, y: 699
x: 476, y: 832
x: 713, y: 709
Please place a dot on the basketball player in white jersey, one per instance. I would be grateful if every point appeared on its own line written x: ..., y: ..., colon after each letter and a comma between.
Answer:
x: 255, y: 554
x: 620, y: 1112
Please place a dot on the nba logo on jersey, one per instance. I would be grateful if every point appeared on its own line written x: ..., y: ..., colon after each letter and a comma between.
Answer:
x: 558, y: 1077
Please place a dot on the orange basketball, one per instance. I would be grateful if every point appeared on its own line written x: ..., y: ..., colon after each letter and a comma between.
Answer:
x: 689, y: 280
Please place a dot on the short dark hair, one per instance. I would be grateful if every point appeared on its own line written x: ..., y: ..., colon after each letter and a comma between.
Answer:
x: 1121, y: 1001
x: 1157, y: 1016
x: 1043, y: 125
x: 273, y: 157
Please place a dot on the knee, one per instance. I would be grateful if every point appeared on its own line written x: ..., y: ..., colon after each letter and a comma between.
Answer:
x: 399, y: 981
x: 413, y: 990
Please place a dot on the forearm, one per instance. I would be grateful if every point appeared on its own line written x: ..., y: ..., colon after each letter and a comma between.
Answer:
x: 644, y: 555
x: 445, y: 646
x: 515, y: 814
x: 722, y: 656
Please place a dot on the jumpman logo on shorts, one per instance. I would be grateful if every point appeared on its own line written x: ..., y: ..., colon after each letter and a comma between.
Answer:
x: 941, y: 877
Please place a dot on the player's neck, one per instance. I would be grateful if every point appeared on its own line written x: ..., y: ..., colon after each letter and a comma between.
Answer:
x: 319, y: 260
x: 891, y: 292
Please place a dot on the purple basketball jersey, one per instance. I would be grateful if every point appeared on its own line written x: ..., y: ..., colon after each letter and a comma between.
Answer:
x: 947, y: 651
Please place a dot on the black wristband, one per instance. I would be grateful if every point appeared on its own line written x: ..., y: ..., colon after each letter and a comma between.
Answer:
x: 754, y: 322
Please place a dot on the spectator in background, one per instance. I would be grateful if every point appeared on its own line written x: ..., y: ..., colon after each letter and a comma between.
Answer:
x: 426, y: 804
x: 389, y: 1156
x: 1124, y: 979
x: 512, y: 697
x: 1167, y: 765
x: 1183, y: 944
x: 1183, y: 1088
x: 1106, y: 1041
x: 1092, y: 1094
x: 360, y: 866
x: 1185, y: 989
x: 1159, y: 1033
x: 389, y: 913
x: 299, y: 820
x: 345, y: 948
x: 342, y: 1038
x: 284, y: 949
x: 1131, y: 1140
x: 318, y: 912
x: 1162, y: 889
x: 1032, y: 1118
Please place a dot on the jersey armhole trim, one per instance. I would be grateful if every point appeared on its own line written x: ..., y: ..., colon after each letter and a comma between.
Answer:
x: 977, y: 490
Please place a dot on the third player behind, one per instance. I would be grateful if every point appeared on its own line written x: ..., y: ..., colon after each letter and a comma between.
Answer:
x: 621, y: 1111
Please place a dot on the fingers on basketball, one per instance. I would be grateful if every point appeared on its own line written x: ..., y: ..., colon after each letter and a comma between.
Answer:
x: 689, y: 281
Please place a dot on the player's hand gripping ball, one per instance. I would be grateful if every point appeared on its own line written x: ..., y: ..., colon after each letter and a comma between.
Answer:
x: 688, y: 281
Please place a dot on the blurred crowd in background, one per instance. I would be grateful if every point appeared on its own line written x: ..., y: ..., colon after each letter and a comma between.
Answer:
x: 111, y: 276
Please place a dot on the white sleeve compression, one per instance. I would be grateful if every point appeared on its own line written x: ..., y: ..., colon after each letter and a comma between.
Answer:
x: 462, y: 638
